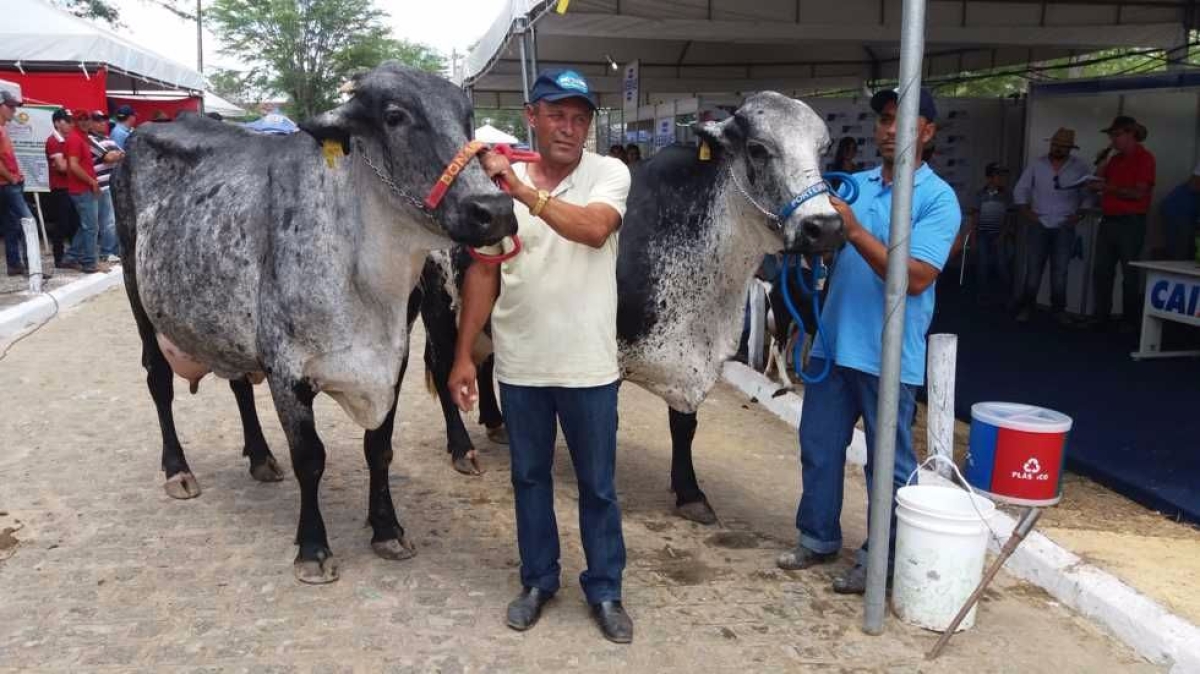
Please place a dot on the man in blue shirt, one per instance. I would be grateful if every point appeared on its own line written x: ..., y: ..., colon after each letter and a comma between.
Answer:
x: 853, y: 319
x: 126, y: 120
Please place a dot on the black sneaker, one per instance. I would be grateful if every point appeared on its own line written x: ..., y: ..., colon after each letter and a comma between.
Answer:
x: 16, y: 271
x: 801, y: 557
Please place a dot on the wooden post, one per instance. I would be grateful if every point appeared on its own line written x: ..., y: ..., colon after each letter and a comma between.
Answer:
x: 943, y: 355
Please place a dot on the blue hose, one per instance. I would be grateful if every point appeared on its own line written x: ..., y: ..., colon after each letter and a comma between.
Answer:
x: 847, y: 191
x: 797, y: 359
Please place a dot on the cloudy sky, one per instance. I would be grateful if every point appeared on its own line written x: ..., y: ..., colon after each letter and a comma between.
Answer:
x: 428, y: 21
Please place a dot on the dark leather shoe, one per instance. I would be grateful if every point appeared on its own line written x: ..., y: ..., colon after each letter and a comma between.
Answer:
x: 614, y: 622
x: 524, y: 611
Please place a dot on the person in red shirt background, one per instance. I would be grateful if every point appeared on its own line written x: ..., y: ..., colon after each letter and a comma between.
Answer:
x: 85, y: 193
x: 62, y: 211
x: 1125, y: 187
x: 12, y: 190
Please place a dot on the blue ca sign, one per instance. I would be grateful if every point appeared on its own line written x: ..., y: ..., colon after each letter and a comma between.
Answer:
x: 1172, y: 296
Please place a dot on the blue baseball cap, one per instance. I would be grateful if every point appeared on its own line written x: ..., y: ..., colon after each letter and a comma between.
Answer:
x: 926, y: 108
x: 556, y: 84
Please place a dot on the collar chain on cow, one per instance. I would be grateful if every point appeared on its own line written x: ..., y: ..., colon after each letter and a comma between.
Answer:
x: 391, y: 184
x: 770, y: 215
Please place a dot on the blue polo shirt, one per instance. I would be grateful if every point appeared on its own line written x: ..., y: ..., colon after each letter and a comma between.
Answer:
x: 120, y: 135
x: 853, y: 312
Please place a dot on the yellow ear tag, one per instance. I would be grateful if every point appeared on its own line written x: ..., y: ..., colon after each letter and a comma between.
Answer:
x: 705, y: 151
x: 332, y: 150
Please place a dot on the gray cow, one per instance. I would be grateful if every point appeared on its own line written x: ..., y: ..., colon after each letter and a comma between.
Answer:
x: 291, y: 258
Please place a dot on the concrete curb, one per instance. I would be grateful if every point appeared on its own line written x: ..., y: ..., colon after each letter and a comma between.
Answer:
x: 1137, y: 620
x: 39, y: 309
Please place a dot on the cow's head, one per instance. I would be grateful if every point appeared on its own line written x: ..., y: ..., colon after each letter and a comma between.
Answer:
x: 408, y: 125
x: 773, y: 147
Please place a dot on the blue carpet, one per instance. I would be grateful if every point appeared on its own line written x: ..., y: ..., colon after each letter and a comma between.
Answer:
x: 1137, y: 424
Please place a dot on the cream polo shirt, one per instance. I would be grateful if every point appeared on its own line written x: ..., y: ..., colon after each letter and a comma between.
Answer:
x: 555, y: 322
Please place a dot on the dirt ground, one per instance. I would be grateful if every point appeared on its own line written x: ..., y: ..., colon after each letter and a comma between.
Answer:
x: 1152, y: 553
x: 112, y: 575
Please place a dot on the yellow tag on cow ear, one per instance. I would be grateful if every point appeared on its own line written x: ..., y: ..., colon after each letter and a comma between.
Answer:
x: 332, y: 149
x: 705, y: 151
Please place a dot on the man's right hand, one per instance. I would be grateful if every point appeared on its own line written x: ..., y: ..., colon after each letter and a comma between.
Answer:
x: 463, y: 390
x: 96, y: 188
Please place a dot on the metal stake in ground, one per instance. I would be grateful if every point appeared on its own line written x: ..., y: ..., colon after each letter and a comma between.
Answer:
x: 1028, y: 520
x: 912, y: 51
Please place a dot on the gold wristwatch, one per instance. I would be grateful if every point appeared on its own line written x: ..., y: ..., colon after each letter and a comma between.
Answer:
x: 543, y: 197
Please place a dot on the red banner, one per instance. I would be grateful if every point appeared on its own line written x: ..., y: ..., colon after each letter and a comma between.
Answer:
x: 69, y: 88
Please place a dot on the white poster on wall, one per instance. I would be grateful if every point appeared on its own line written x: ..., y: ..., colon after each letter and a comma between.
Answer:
x: 629, y: 90
x: 28, y: 130
x: 664, y: 132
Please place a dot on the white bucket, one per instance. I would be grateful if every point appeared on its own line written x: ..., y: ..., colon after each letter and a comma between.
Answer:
x: 941, y: 544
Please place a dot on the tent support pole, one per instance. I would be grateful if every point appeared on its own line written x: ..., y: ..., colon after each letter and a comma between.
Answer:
x: 912, y: 50
x: 525, y: 81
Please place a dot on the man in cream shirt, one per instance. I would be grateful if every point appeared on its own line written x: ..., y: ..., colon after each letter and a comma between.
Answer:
x: 555, y: 332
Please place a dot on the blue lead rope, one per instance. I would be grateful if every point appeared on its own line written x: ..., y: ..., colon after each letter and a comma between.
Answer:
x: 848, y: 192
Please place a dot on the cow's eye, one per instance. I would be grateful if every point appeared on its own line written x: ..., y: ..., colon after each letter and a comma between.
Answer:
x: 394, y: 116
x: 758, y: 151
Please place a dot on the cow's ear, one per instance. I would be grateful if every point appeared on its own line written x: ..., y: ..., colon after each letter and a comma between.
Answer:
x: 335, y: 125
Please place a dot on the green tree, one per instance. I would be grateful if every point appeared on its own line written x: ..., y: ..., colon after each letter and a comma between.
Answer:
x: 97, y: 10
x: 305, y: 49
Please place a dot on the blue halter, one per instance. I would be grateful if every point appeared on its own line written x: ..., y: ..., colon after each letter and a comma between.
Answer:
x: 847, y: 191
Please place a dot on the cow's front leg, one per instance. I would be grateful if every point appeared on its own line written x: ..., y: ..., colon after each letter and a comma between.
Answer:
x: 263, y: 466
x: 293, y: 401
x: 690, y: 502
x: 387, y: 540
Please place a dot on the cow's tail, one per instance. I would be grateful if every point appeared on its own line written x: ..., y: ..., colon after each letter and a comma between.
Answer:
x: 430, y: 384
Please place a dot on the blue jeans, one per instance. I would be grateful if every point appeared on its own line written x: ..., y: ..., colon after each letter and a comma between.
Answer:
x: 83, y: 246
x: 107, y: 224
x: 589, y: 422
x: 831, y: 408
x: 1055, y: 244
x: 994, y: 265
x: 12, y: 209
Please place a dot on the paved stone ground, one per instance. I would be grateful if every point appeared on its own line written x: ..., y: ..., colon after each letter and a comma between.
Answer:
x: 14, y: 289
x: 112, y: 575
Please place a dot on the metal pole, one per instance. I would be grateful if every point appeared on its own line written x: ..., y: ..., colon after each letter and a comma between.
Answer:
x: 200, y: 47
x: 525, y: 84
x: 533, y: 50
x: 912, y: 50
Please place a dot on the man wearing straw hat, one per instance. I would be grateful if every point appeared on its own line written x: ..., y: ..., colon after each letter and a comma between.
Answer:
x: 1050, y: 195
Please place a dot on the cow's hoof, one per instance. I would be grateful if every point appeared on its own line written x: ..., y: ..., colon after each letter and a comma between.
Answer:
x: 498, y: 435
x: 396, y: 550
x: 182, y: 486
x: 697, y: 511
x: 318, y: 571
x: 267, y: 471
x: 468, y: 464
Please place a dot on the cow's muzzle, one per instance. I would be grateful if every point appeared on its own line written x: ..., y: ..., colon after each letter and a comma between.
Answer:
x: 486, y: 219
x: 820, y: 233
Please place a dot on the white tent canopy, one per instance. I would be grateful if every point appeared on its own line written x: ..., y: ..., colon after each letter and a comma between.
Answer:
x: 214, y: 103
x: 490, y: 134
x: 35, y: 35
x: 730, y: 46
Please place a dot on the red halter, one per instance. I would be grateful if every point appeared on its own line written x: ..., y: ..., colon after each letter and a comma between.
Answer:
x: 456, y: 165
